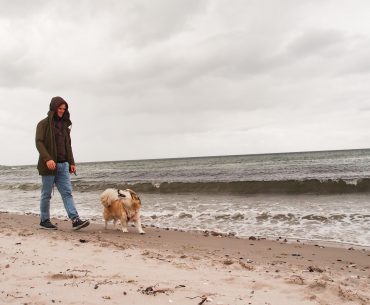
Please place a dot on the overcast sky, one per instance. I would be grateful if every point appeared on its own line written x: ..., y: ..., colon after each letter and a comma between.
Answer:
x: 177, y: 78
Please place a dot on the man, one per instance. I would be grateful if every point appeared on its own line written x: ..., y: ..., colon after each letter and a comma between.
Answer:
x: 56, y: 162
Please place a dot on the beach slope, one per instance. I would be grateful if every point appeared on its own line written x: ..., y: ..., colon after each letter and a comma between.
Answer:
x: 97, y: 266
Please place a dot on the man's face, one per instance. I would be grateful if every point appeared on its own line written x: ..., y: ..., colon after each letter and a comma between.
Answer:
x: 60, y: 111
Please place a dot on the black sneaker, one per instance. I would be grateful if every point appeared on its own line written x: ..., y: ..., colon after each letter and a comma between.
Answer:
x: 77, y: 223
x: 47, y: 225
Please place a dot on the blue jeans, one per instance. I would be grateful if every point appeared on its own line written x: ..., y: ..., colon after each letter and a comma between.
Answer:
x: 63, y: 182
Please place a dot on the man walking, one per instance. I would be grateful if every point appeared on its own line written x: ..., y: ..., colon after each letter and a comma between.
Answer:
x: 56, y: 162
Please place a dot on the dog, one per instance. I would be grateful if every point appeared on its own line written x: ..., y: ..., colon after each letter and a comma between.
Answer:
x: 123, y: 205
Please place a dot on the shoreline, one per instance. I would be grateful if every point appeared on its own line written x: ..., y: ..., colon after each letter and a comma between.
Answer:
x: 341, y: 219
x: 164, y: 266
x: 315, y: 242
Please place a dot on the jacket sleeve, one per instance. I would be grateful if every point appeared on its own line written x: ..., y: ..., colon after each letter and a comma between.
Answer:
x: 71, y: 160
x: 40, y: 142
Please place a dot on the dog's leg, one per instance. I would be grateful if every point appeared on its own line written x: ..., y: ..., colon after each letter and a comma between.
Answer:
x: 138, y: 225
x: 124, y: 225
x: 106, y: 225
x: 114, y: 223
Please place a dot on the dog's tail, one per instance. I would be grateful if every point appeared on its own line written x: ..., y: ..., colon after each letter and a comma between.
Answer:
x: 107, y: 197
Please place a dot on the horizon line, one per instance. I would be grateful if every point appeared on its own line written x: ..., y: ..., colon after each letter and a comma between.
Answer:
x: 205, y: 156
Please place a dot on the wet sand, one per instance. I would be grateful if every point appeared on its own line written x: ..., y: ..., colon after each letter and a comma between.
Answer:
x: 97, y: 266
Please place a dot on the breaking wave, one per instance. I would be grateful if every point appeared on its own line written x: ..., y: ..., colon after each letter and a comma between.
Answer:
x: 309, y: 186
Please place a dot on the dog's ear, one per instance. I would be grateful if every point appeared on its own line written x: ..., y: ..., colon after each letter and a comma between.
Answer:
x: 134, y: 195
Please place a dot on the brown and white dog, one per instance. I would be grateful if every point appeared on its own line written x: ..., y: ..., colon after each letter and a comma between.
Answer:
x: 123, y: 205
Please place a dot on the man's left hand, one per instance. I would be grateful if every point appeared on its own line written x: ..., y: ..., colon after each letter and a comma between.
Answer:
x: 73, y: 169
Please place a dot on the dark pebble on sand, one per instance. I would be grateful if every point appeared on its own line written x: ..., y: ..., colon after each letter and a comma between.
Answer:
x: 180, y: 286
x: 252, y: 238
x: 228, y: 262
x: 315, y: 269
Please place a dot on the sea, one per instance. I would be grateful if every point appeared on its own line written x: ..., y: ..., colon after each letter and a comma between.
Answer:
x: 311, y: 196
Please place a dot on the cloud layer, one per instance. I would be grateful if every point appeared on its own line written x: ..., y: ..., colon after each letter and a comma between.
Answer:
x: 156, y: 79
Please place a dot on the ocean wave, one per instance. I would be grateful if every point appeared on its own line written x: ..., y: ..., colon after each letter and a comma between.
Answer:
x: 267, y: 217
x: 309, y: 186
x: 20, y: 186
x: 318, y: 218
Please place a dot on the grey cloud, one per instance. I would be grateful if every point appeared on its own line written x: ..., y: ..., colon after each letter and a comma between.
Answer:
x: 224, y: 56
x: 16, y: 74
x: 357, y: 59
x: 140, y: 24
x: 315, y: 42
x: 20, y: 9
x: 155, y: 21
x: 159, y: 71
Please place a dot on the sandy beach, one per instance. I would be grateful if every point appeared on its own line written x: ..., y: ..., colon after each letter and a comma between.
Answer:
x: 97, y: 266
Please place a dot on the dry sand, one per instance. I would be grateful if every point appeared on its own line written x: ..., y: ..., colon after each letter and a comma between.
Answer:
x: 97, y: 266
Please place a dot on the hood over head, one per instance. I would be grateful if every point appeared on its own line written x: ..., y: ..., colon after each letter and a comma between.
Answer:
x: 56, y: 101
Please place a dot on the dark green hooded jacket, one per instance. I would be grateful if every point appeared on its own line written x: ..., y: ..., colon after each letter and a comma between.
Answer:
x: 45, y: 138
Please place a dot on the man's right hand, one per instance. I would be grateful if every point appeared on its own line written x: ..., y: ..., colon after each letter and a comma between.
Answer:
x: 51, y: 165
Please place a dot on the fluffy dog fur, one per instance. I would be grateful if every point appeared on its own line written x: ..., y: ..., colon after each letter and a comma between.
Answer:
x: 123, y: 205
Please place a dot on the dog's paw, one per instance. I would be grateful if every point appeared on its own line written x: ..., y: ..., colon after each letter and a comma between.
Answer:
x: 124, y: 230
x: 142, y: 232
